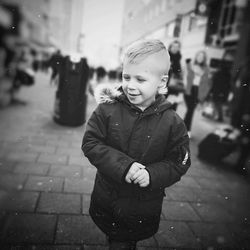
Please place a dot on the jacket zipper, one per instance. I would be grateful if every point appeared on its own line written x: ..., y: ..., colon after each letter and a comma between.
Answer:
x: 134, y: 193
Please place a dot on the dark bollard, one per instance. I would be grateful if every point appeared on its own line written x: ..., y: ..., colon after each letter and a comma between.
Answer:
x: 71, y: 97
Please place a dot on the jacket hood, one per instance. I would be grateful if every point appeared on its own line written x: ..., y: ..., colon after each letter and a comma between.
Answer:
x: 111, y: 93
x: 107, y: 92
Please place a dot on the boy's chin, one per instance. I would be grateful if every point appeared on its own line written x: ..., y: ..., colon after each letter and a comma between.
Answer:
x: 134, y: 100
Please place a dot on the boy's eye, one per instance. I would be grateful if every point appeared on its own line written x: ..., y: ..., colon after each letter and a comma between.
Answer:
x: 126, y: 78
x: 141, y: 79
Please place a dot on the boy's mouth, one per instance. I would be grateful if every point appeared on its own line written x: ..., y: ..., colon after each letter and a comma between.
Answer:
x: 130, y: 94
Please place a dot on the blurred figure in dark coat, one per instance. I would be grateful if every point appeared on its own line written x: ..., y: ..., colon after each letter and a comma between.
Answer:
x: 241, y: 115
x: 175, y: 73
x: 221, y: 86
x: 54, y: 63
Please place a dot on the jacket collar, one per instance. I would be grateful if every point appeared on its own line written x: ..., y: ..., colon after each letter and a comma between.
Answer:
x: 111, y: 93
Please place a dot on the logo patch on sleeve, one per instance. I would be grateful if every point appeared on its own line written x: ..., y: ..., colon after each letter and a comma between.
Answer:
x: 185, y: 159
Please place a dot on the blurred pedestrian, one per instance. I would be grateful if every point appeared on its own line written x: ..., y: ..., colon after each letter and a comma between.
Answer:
x: 24, y: 75
x: 54, y: 64
x: 174, y: 51
x: 175, y: 83
x: 91, y: 80
x: 221, y: 86
x: 112, y: 76
x: 101, y: 74
x: 5, y: 80
x: 197, y: 85
x: 139, y: 146
x: 241, y: 114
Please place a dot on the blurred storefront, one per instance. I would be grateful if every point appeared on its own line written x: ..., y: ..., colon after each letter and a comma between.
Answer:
x: 29, y: 22
x: 43, y: 25
x: 198, y: 24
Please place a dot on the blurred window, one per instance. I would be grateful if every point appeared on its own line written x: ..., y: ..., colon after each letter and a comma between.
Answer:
x: 228, y: 23
x: 177, y: 28
x: 170, y: 29
x: 196, y: 21
x: 163, y: 6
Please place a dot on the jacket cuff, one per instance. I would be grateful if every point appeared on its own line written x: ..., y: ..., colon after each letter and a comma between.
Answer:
x: 150, y: 179
x: 126, y: 170
x: 154, y: 185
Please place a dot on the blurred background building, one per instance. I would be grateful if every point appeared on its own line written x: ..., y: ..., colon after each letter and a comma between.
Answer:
x: 68, y: 25
x: 100, y: 30
x: 198, y: 24
x: 44, y: 24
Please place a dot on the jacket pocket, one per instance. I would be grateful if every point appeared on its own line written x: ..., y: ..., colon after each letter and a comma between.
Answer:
x: 104, y: 193
x: 147, y: 194
x: 114, y: 132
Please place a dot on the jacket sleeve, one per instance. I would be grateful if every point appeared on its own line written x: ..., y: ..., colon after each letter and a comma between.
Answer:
x: 108, y: 160
x: 176, y: 162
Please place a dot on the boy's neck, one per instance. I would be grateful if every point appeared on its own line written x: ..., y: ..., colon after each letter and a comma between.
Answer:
x: 142, y: 108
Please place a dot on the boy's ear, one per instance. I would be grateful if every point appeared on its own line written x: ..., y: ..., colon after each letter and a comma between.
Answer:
x: 164, y: 79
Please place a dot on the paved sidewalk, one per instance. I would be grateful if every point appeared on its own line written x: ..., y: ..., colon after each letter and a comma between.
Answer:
x: 45, y: 186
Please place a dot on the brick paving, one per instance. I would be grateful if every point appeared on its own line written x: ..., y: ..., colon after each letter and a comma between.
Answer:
x: 45, y: 186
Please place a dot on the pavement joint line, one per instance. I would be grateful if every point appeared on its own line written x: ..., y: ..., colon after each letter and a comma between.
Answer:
x: 82, y: 172
x: 17, y: 246
x: 38, y: 155
x: 25, y: 181
x: 63, y: 185
x: 55, y: 229
x: 198, y: 214
x: 54, y: 192
x: 81, y: 204
x: 193, y: 232
x: 48, y: 170
x: 16, y: 212
x: 37, y: 202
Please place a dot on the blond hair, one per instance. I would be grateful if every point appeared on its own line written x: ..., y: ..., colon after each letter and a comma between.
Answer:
x: 141, y: 49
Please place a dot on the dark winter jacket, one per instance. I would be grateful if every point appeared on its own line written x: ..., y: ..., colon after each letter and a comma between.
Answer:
x: 118, y: 134
x: 221, y: 84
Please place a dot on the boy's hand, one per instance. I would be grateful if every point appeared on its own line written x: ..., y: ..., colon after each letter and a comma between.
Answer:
x: 136, y: 166
x: 141, y: 177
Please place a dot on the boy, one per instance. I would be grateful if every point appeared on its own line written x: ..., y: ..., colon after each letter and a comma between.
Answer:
x: 139, y: 146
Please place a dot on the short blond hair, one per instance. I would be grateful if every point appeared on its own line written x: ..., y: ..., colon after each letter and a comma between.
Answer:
x: 141, y: 49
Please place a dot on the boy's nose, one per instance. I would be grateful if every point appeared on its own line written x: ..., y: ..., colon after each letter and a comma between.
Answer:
x: 131, y: 85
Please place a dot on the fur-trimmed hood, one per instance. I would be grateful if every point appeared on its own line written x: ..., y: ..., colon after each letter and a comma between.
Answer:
x: 107, y: 92
x: 112, y: 92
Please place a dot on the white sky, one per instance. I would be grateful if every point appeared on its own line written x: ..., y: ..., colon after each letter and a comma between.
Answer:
x: 102, y: 22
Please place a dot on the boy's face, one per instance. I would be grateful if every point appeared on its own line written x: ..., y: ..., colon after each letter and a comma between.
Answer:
x: 141, y: 80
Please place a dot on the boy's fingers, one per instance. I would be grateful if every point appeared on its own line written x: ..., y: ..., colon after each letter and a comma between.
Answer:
x: 144, y: 184
x: 129, y: 174
x: 136, y: 175
x: 139, y: 176
x: 142, y: 181
x: 138, y: 179
x: 128, y: 178
x: 140, y: 165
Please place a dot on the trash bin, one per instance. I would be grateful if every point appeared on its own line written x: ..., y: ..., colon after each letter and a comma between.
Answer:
x: 71, y: 97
